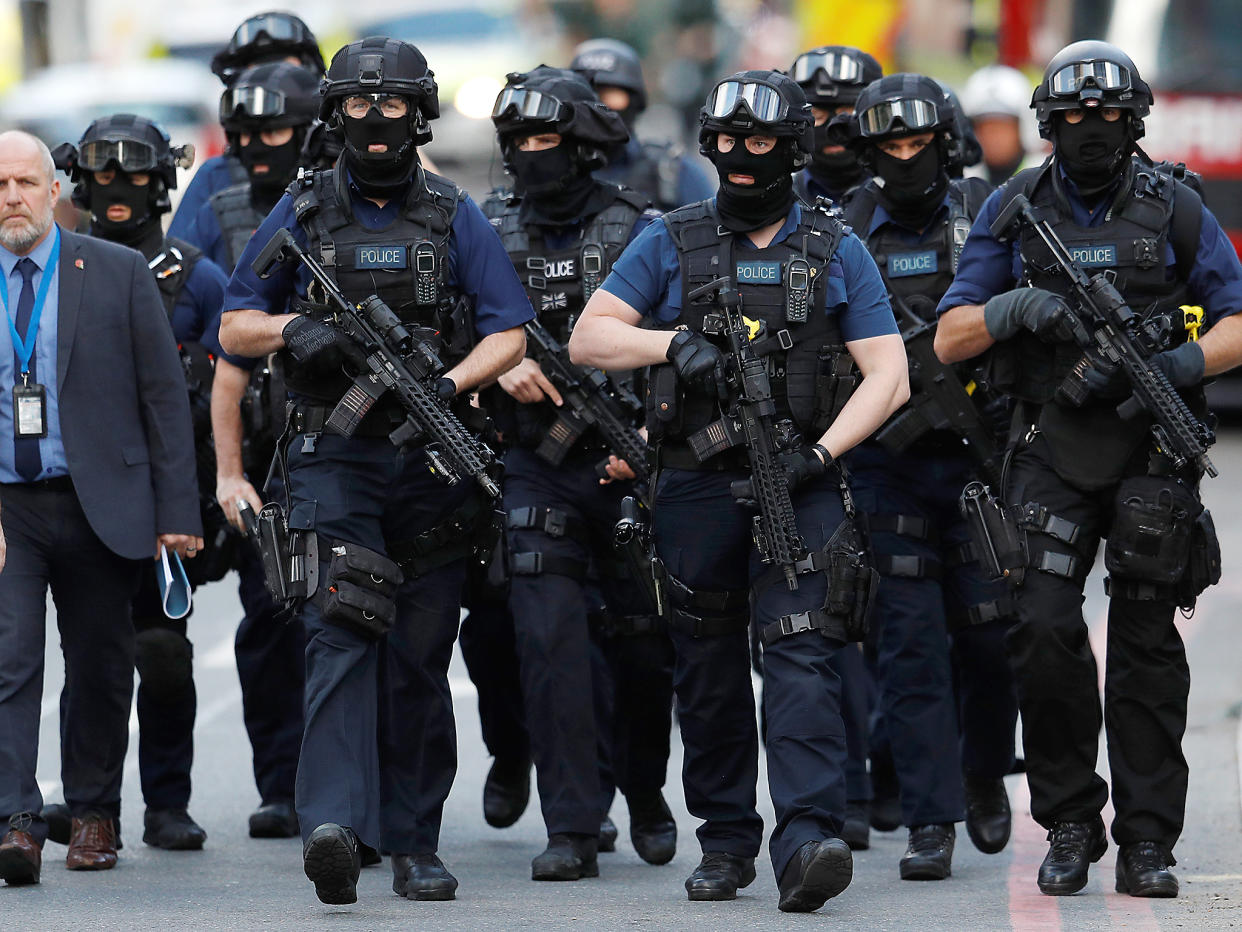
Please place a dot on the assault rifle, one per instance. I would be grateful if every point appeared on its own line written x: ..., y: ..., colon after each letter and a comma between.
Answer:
x: 940, y: 402
x: 590, y: 398
x: 753, y: 415
x: 391, y: 360
x: 1105, y: 327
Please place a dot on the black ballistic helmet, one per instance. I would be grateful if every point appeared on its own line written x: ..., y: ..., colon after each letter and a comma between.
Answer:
x: 556, y: 100
x: 834, y: 75
x: 905, y: 105
x: 1091, y: 74
x: 129, y: 143
x: 267, y: 37
x: 758, y: 103
x: 380, y: 65
x: 610, y: 63
x: 267, y: 97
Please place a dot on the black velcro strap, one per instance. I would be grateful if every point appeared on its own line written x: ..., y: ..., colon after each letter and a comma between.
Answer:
x: 814, y: 562
x: 830, y: 626
x: 961, y: 555
x: 1138, y: 591
x: 994, y: 610
x: 715, y: 601
x: 536, y: 563
x: 696, y: 627
x: 1058, y: 564
x: 552, y: 521
x: 911, y: 526
x: 907, y: 566
x: 1038, y: 518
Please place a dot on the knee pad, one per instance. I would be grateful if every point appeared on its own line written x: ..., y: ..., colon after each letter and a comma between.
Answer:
x: 164, y: 659
x: 361, y: 590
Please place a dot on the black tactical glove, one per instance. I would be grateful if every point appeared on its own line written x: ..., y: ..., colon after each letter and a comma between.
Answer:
x: 804, y: 465
x: 446, y: 389
x: 693, y: 356
x: 1041, y: 312
x: 306, y: 337
x: 1182, y: 366
x: 1106, y: 381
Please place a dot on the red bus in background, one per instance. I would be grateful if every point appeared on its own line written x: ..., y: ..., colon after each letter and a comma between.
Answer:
x: 1189, y: 51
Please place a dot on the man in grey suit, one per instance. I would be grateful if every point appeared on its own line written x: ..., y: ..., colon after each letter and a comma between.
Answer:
x: 96, y: 473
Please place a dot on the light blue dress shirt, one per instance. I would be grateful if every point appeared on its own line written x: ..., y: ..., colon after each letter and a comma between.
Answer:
x: 51, y: 447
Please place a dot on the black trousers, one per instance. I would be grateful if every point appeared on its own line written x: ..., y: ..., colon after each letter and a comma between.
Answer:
x: 51, y: 544
x: 1146, y: 681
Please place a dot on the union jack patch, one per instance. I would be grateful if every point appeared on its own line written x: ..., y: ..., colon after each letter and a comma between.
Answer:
x: 553, y: 302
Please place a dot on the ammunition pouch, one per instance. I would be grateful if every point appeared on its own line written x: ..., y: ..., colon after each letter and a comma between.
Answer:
x: 852, y: 586
x: 1203, y: 565
x: 361, y: 590
x: 663, y: 402
x: 1149, y: 543
x: 707, y: 613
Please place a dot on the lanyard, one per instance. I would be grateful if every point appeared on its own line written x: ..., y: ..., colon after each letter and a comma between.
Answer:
x: 24, y: 349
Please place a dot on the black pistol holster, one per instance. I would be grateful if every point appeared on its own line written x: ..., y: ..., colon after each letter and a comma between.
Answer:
x: 290, y: 556
x: 996, y: 530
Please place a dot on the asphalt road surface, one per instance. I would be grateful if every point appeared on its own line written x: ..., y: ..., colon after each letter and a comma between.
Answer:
x: 239, y: 883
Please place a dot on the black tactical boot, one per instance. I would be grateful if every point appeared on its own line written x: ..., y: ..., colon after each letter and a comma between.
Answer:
x: 929, y: 855
x: 172, y: 830
x: 653, y: 831
x: 607, y: 842
x: 1143, y: 870
x: 719, y: 876
x: 567, y: 857
x: 856, y: 832
x: 330, y: 860
x: 818, y: 871
x: 506, y: 792
x: 422, y: 877
x: 274, y: 820
x: 1075, y: 846
x: 988, y: 817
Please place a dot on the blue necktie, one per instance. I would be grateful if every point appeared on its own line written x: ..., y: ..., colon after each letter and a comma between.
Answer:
x: 26, y: 457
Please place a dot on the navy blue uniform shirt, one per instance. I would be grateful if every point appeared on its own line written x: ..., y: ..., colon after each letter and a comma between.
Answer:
x: 204, y: 232
x: 477, y: 264
x: 214, y: 175
x: 693, y: 184
x: 647, y: 277
x: 989, y: 267
x: 196, y: 315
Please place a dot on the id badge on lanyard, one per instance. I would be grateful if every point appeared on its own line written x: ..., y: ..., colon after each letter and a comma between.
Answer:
x: 29, y: 409
x: 30, y: 398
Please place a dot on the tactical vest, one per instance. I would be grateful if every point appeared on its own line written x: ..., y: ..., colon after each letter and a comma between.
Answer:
x: 237, y: 218
x: 1150, y: 212
x: 782, y: 288
x: 559, y: 282
x: 655, y: 174
x: 172, y: 267
x: 406, y: 264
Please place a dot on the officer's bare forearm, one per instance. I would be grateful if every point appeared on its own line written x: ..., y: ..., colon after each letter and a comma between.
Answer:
x: 495, y: 354
x: 884, y: 388
x: 607, y: 336
x: 252, y: 332
x: 227, y: 390
x: 1222, y: 345
x: 961, y: 334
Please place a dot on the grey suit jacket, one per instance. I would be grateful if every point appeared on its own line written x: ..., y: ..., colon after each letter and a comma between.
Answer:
x: 124, y: 414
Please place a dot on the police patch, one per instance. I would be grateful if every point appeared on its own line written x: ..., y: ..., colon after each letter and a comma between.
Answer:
x: 370, y: 256
x: 758, y: 273
x: 1095, y: 256
x: 901, y: 264
x: 559, y: 269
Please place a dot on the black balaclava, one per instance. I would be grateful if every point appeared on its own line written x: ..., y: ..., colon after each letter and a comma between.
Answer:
x: 1092, y: 150
x: 388, y: 175
x: 555, y: 187
x: 836, y: 171
x: 746, y: 207
x: 282, y: 164
x: 913, y: 188
x: 141, y: 223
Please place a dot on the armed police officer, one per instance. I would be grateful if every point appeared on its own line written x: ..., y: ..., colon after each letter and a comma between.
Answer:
x: 659, y: 170
x: 261, y: 39
x: 378, y: 752
x: 809, y: 294
x: 124, y: 168
x: 1080, y: 471
x: 832, y: 77
x: 914, y: 219
x: 563, y: 229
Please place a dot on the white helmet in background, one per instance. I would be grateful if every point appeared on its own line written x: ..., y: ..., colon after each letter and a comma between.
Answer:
x: 998, y: 90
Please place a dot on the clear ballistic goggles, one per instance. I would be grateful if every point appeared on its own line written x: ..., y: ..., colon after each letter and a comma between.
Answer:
x: 763, y: 101
x: 841, y: 68
x: 913, y: 113
x: 527, y: 104
x: 1103, y: 75
x: 275, y: 27
x: 129, y: 155
x: 254, y: 102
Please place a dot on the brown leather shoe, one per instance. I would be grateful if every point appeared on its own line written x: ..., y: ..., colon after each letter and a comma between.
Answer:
x: 92, y: 844
x: 20, y: 857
